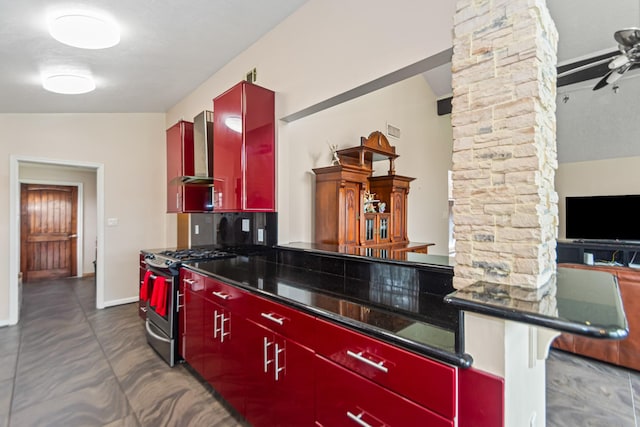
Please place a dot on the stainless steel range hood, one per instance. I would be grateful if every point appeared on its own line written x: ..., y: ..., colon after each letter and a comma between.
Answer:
x: 202, y: 151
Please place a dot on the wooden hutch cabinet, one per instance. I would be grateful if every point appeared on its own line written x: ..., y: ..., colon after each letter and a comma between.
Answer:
x: 354, y: 208
x: 339, y: 201
x: 394, y: 189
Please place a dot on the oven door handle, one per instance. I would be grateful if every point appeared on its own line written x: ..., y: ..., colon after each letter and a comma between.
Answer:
x: 154, y: 335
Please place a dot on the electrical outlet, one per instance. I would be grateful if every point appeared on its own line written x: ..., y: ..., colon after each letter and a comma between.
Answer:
x: 260, y: 235
x: 246, y: 225
x: 196, y: 229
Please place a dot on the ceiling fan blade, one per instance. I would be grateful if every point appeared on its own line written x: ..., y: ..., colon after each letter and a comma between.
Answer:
x: 603, y: 81
x: 617, y: 73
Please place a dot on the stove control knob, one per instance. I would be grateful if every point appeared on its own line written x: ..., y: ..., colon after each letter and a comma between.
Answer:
x: 150, y: 256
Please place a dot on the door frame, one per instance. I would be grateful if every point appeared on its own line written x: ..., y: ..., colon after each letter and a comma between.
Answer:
x: 14, y: 226
x: 79, y: 217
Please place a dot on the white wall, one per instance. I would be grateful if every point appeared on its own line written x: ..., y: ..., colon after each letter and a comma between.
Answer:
x: 57, y: 174
x: 424, y: 148
x: 596, y: 178
x: 323, y: 49
x: 132, y: 149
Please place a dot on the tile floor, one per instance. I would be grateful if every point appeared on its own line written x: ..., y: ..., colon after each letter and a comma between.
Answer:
x: 68, y: 364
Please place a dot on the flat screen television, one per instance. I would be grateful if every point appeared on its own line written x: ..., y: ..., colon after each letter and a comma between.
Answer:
x: 603, y: 218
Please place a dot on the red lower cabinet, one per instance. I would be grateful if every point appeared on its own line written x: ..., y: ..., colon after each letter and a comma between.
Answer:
x: 278, y: 366
x: 192, y: 330
x: 344, y: 398
x: 422, y: 380
x: 142, y: 303
x: 224, y: 354
x: 481, y: 397
x: 280, y: 387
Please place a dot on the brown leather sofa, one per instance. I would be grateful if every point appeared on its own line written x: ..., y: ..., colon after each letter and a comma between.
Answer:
x: 624, y: 352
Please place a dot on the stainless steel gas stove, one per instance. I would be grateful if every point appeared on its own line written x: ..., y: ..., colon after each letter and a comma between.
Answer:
x: 160, y: 289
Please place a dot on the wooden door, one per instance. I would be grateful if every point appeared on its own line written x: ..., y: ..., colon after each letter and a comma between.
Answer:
x: 48, y: 226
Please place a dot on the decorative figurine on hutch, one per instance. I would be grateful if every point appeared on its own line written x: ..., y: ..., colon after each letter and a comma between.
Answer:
x: 334, y: 153
x: 369, y: 202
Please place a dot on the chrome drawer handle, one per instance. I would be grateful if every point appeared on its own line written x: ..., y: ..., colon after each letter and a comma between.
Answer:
x: 358, y: 419
x: 358, y: 356
x: 221, y: 295
x: 265, y: 358
x: 143, y: 309
x: 178, y: 305
x: 188, y: 281
x: 278, y: 320
x: 276, y: 357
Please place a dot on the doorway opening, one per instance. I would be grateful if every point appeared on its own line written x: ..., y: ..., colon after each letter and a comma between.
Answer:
x: 43, y: 245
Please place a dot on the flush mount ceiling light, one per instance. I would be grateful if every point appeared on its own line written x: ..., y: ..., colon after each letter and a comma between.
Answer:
x: 84, y: 30
x: 68, y: 84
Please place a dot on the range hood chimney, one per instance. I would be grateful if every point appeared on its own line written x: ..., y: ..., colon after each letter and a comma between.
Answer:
x: 202, y: 151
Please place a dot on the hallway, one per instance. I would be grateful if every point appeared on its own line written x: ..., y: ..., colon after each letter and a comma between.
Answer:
x: 68, y: 364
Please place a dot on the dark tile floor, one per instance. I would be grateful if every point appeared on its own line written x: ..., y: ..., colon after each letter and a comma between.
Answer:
x: 68, y: 364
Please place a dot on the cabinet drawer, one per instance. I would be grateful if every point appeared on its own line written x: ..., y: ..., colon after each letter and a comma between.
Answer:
x: 284, y: 320
x: 346, y: 399
x: 193, y: 281
x: 227, y: 296
x: 425, y: 381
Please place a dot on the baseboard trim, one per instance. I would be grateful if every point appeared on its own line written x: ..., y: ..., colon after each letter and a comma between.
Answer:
x: 120, y: 301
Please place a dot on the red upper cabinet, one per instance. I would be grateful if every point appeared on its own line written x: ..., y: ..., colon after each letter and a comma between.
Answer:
x: 244, y: 149
x: 180, y: 155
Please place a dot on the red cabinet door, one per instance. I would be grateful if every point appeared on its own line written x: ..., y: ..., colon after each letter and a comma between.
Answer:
x: 214, y: 328
x: 344, y: 398
x: 176, y: 136
x: 428, y: 382
x: 192, y: 330
x: 259, y: 149
x: 142, y: 304
x: 227, y: 150
x: 481, y: 397
x: 180, y: 157
x: 280, y: 389
x: 244, y: 149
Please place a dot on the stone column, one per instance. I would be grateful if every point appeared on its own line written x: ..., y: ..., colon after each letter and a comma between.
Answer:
x: 504, y: 151
x: 504, y: 159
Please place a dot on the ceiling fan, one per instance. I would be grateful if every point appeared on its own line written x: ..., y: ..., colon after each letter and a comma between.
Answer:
x: 608, y: 66
x: 629, y: 45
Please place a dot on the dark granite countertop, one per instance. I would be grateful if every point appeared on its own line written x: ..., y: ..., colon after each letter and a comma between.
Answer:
x: 412, y: 304
x: 390, y: 303
x: 404, y: 258
x: 581, y: 302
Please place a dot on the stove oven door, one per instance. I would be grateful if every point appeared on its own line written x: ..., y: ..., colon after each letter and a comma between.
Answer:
x: 161, y: 323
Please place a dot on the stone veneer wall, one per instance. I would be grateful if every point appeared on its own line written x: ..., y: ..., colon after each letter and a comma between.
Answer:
x: 504, y: 152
